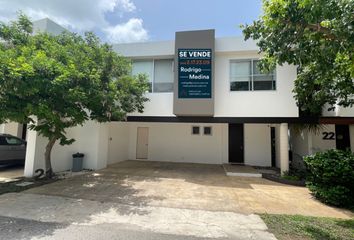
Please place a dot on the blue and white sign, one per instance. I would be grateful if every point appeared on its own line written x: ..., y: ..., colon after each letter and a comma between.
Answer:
x: 194, y: 73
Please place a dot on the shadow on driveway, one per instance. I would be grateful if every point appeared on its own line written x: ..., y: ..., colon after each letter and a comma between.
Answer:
x: 188, y: 186
x: 16, y: 228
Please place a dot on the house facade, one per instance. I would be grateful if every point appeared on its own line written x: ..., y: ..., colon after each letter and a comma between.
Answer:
x: 208, y: 103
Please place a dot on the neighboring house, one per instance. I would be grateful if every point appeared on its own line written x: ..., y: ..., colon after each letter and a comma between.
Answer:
x: 47, y: 25
x: 209, y: 103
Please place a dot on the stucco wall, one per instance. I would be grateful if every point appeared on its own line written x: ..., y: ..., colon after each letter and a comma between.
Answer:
x: 319, y: 144
x: 159, y: 104
x: 12, y: 128
x: 174, y: 142
x: 108, y: 143
x: 299, y: 143
x: 338, y: 111
x: 278, y: 103
x: 257, y: 142
x: 118, y: 146
x: 91, y: 139
x: 310, y: 143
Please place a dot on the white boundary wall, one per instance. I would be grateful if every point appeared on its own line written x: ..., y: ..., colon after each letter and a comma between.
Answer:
x: 105, y: 144
x: 118, y: 146
x: 257, y: 145
x: 174, y: 142
x: 308, y: 143
x: 109, y: 143
x: 91, y: 139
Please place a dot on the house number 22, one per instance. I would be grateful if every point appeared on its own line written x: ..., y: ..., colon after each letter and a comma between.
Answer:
x: 328, y: 136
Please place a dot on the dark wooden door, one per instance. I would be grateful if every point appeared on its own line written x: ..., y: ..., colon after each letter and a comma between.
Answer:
x: 236, y: 149
x: 342, y: 137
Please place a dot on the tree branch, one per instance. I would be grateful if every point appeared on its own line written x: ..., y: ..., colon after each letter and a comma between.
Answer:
x: 316, y: 27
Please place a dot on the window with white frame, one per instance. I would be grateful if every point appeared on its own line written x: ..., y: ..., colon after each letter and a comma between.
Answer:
x: 246, y: 76
x: 144, y: 67
x: 159, y: 73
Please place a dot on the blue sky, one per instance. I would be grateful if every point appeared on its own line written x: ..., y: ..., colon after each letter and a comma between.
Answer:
x: 162, y: 18
x: 138, y: 20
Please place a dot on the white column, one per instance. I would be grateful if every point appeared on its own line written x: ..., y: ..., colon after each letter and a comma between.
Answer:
x: 34, y: 153
x: 92, y: 140
x: 284, y: 148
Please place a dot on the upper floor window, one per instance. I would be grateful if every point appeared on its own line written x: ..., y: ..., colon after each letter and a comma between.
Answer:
x: 246, y: 76
x: 159, y: 73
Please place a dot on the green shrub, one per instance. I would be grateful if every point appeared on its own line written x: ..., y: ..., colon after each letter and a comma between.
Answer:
x: 290, y: 176
x: 331, y: 176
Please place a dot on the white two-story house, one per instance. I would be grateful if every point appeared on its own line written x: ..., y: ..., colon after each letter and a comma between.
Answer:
x: 208, y: 103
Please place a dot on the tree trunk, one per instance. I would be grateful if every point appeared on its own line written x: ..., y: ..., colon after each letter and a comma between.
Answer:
x: 47, y: 157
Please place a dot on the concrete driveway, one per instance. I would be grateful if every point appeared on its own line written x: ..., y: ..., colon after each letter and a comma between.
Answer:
x: 191, y: 186
x: 155, y: 200
x: 10, y: 172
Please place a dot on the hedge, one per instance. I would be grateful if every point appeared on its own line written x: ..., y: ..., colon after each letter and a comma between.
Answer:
x: 331, y: 176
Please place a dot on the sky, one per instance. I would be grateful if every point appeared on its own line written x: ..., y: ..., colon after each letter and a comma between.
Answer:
x: 120, y: 21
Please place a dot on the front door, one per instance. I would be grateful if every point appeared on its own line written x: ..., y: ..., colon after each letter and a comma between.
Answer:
x: 236, y: 153
x: 342, y: 137
x: 142, y: 143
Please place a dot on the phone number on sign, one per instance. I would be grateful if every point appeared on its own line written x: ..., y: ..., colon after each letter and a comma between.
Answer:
x: 197, y: 62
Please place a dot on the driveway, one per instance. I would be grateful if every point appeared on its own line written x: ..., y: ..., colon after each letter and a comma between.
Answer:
x: 155, y: 200
x: 10, y: 172
x: 191, y: 186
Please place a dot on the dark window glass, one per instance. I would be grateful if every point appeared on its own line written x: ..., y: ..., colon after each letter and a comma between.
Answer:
x: 207, y: 130
x: 264, y: 85
x: 3, y: 141
x: 195, y: 130
x: 240, y: 86
x: 13, y: 141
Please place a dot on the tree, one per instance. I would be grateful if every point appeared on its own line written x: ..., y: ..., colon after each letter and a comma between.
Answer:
x: 318, y: 37
x: 53, y: 83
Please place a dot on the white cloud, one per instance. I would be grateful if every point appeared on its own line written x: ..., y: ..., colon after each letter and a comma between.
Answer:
x: 131, y: 31
x: 79, y: 15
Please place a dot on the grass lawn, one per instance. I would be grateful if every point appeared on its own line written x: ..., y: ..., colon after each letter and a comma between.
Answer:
x: 298, y: 227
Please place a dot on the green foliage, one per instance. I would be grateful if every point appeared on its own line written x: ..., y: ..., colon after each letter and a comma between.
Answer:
x: 331, y: 176
x: 318, y: 37
x: 286, y: 227
x: 288, y: 175
x: 53, y: 82
x: 314, y: 128
x: 63, y: 80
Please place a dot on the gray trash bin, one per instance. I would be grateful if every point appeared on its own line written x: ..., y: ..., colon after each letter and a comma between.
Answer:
x: 77, y: 162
